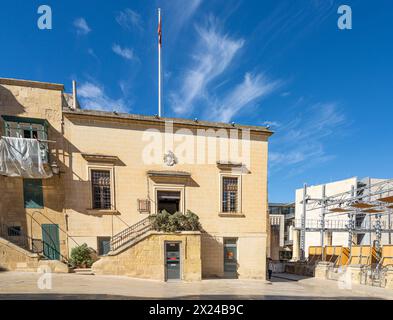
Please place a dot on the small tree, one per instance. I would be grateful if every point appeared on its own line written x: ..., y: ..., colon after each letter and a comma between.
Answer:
x: 81, y: 257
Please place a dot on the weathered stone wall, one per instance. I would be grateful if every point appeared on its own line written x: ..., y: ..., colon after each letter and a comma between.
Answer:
x: 12, y: 257
x: 43, y: 101
x: 145, y: 259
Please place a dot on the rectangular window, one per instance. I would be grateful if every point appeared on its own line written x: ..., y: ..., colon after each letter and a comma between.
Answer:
x: 101, y: 189
x: 33, y: 194
x: 30, y: 134
x: 104, y: 245
x: 14, y: 231
x: 230, y: 194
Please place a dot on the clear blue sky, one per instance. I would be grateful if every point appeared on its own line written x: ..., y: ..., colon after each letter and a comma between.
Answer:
x: 327, y: 93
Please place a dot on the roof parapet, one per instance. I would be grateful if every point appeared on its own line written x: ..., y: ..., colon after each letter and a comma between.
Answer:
x: 31, y: 84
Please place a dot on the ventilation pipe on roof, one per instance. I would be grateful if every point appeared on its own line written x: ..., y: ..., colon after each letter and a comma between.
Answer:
x: 74, y: 104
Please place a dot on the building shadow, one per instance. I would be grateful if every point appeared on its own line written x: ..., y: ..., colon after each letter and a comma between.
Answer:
x: 65, y: 296
x: 9, y: 101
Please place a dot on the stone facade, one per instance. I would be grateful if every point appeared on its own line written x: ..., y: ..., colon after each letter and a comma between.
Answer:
x: 13, y: 257
x: 41, y: 101
x: 145, y: 259
x: 68, y: 196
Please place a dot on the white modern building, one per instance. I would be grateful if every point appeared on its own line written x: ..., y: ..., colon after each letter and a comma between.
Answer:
x: 336, y: 223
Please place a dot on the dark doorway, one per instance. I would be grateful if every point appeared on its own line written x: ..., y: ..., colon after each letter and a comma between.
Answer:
x: 230, y: 258
x: 172, y: 260
x: 169, y: 201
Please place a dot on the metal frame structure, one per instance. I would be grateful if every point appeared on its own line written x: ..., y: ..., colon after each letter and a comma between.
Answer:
x: 363, y: 199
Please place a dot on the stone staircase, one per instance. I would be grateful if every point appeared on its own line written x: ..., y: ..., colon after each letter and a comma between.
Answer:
x: 19, y: 252
x: 128, y: 236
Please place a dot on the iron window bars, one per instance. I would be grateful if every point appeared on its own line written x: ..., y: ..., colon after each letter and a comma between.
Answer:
x: 101, y: 188
x: 230, y: 194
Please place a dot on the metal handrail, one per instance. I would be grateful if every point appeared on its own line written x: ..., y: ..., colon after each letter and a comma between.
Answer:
x: 20, y: 239
x: 129, y: 234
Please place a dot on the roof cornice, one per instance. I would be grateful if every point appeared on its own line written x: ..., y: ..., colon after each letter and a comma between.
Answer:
x: 160, y: 120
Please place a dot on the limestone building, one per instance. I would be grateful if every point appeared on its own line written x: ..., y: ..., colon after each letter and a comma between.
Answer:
x: 99, y: 175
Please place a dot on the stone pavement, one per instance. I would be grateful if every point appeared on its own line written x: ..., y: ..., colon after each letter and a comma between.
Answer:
x: 14, y: 285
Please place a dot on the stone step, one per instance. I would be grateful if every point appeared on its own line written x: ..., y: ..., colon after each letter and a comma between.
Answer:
x: 26, y: 267
x: 54, y: 266
x: 84, y: 271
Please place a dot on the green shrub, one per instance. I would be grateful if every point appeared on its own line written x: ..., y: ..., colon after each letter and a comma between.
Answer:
x: 193, y: 223
x: 81, y: 257
x: 167, y: 222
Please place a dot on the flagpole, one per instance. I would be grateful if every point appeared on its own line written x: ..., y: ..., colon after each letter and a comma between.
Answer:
x: 159, y: 64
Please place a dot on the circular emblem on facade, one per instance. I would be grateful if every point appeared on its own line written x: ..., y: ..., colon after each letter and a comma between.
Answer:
x: 170, y: 159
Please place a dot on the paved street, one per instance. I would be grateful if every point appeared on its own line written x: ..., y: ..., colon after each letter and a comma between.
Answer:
x: 15, y: 285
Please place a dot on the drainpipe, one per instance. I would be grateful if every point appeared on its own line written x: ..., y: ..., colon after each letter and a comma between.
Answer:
x: 323, y: 221
x: 74, y: 93
x: 303, y: 225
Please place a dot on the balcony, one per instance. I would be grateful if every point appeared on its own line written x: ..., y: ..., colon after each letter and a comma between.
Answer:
x: 24, y: 146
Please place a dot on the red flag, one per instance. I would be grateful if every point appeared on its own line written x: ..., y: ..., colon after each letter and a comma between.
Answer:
x: 159, y: 31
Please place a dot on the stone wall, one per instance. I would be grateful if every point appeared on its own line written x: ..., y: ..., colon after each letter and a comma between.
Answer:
x: 43, y: 101
x: 13, y: 258
x: 124, y: 139
x: 145, y: 259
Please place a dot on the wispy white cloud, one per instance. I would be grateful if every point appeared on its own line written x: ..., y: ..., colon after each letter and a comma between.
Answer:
x: 126, y: 53
x: 81, y: 26
x: 183, y: 11
x: 300, y: 144
x: 250, y: 90
x: 129, y: 19
x: 93, y: 96
x: 274, y: 124
x: 92, y: 53
x: 212, y: 56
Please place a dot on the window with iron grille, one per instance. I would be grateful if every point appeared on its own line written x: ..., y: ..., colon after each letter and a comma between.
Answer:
x: 101, y: 188
x: 14, y: 231
x: 230, y: 194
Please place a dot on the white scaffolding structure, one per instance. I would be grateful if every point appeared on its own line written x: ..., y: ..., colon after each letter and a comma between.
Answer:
x: 366, y: 199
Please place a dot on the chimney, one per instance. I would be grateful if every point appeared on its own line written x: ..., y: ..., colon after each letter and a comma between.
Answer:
x: 74, y: 103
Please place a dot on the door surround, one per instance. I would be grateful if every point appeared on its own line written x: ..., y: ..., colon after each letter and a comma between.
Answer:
x: 166, y: 187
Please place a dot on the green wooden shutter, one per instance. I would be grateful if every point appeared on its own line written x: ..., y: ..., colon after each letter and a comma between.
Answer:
x: 32, y: 193
x: 51, y: 241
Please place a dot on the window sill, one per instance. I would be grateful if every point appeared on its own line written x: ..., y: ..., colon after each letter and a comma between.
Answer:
x: 102, y: 211
x: 231, y: 214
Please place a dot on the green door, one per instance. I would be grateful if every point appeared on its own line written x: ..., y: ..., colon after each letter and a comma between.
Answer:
x: 51, y: 241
